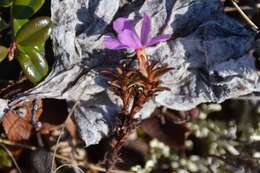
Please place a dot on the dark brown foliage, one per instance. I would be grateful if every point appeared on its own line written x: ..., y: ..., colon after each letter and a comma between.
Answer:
x: 166, y: 130
x: 135, y: 88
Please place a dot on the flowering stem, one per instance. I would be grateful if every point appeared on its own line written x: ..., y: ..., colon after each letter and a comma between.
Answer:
x: 142, y: 61
x: 122, y: 132
x: 12, y: 47
x: 11, y: 51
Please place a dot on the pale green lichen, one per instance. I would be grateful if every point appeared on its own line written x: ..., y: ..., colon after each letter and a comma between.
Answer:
x: 215, y: 138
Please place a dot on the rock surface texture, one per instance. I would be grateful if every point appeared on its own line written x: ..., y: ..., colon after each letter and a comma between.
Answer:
x: 210, y: 53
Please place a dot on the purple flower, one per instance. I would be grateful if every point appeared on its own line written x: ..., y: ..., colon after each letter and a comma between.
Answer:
x: 128, y: 38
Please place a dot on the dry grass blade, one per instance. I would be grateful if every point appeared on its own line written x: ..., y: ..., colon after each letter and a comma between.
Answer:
x: 59, y: 138
x: 69, y: 165
x: 110, y: 74
x: 158, y: 72
x: 98, y: 168
x: 7, y: 142
x: 160, y: 89
x: 248, y: 20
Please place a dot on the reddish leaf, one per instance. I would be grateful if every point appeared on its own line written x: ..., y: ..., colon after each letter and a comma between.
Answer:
x: 171, y: 134
x: 16, y: 128
x: 72, y: 129
x: 182, y: 116
x: 46, y: 128
x: 17, y: 123
x: 194, y: 113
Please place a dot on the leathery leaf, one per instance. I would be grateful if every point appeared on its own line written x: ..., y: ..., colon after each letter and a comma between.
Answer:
x: 33, y: 62
x: 34, y: 32
x: 23, y: 9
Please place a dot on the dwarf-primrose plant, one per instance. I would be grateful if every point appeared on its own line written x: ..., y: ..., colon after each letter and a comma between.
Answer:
x: 134, y: 87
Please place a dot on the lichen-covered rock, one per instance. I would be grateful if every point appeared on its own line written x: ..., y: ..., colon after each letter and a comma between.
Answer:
x: 210, y: 56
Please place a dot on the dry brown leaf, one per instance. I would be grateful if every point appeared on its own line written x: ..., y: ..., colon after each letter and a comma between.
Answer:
x: 17, y: 122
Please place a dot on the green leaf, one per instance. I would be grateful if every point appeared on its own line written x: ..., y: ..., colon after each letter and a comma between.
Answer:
x: 5, y: 160
x: 23, y: 9
x: 32, y: 62
x: 40, y: 49
x: 34, y: 32
x: 18, y: 23
x: 3, y: 53
x: 5, y: 3
x: 3, y: 24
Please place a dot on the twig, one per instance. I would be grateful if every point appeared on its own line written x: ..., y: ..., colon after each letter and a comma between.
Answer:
x: 59, y: 138
x: 248, y: 20
x: 90, y: 166
x: 69, y: 165
x: 61, y: 157
x: 232, y: 9
x: 253, y: 98
x: 64, y: 158
x: 33, y: 148
x: 7, y: 142
x: 12, y: 157
x: 98, y: 168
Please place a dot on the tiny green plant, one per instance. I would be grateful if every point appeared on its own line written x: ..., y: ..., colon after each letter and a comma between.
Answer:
x: 28, y: 37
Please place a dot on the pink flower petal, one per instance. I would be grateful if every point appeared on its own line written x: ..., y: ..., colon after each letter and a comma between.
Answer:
x: 130, y: 39
x: 145, y: 29
x: 158, y: 39
x: 121, y: 24
x: 113, y: 43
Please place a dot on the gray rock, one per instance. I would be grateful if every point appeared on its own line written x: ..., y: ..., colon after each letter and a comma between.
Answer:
x: 3, y: 107
x: 210, y: 55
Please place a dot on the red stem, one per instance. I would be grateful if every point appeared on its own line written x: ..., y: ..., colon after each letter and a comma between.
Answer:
x: 142, y: 61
